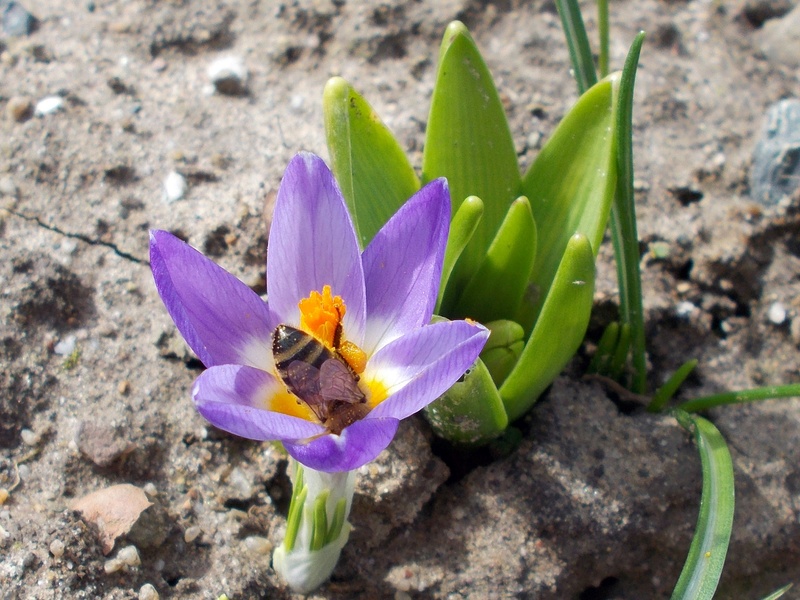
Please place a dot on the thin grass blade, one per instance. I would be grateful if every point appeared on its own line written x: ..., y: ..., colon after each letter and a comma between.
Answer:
x: 703, y: 567
x: 580, y: 52
x: 623, y: 223
x: 765, y: 393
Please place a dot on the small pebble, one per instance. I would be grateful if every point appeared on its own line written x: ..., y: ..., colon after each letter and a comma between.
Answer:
x: 16, y: 20
x: 19, y: 109
x: 3, y: 496
x: 174, y: 187
x: 777, y: 313
x: 49, y: 105
x: 150, y: 489
x: 129, y: 556
x: 29, y: 437
x: 113, y: 565
x: 57, y: 548
x: 296, y: 103
x: 775, y: 171
x: 685, y: 309
x: 8, y: 187
x: 66, y: 346
x: 124, y: 387
x: 258, y: 545
x: 229, y: 76
x: 148, y: 592
x: 191, y: 534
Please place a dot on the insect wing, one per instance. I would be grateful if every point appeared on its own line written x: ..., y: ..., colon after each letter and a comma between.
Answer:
x: 337, y: 383
x: 303, y: 380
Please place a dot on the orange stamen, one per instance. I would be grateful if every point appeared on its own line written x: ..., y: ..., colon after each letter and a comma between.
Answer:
x: 321, y: 316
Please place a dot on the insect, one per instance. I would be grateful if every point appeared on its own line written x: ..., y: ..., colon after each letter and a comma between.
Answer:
x: 318, y: 377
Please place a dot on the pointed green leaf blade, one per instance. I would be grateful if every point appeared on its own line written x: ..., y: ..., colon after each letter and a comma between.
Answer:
x: 470, y: 412
x: 571, y: 186
x: 558, y: 332
x: 703, y: 567
x: 469, y: 142
x: 496, y: 289
x: 462, y: 228
x: 778, y: 593
x: 366, y: 159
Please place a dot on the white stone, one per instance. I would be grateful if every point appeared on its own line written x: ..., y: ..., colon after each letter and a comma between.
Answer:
x: 174, y: 187
x: 129, y: 555
x: 148, y: 592
x: 258, y: 544
x: 29, y: 437
x: 49, y: 105
x: 228, y: 74
x: 777, y: 313
x: 57, y: 548
x: 66, y: 346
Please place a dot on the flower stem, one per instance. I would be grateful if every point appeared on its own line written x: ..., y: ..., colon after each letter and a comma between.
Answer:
x: 316, y: 527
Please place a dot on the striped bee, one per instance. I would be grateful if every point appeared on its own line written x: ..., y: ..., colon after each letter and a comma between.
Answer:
x: 318, y: 377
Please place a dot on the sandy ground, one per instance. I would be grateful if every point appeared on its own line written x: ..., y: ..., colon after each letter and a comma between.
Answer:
x: 597, y: 501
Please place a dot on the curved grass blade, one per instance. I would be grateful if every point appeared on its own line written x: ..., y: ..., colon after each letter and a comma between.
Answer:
x: 366, y: 159
x: 462, y: 228
x: 623, y: 222
x: 559, y: 330
x: 580, y: 53
x: 740, y: 397
x: 667, y: 391
x: 571, y: 186
x: 469, y: 142
x: 496, y: 288
x: 703, y: 567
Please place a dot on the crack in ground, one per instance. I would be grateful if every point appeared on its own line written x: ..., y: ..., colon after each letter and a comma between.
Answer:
x: 80, y: 236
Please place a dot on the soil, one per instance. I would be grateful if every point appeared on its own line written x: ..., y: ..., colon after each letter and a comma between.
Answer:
x: 599, y: 500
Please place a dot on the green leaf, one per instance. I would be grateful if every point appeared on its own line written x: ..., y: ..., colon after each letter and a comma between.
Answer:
x: 470, y: 412
x: 319, y: 520
x: 571, y: 186
x: 366, y: 159
x: 778, y: 593
x: 559, y: 330
x: 580, y: 52
x: 462, y: 227
x: 764, y: 393
x: 469, y: 142
x: 703, y: 567
x: 496, y: 288
x: 623, y: 223
x: 503, y: 348
x: 606, y: 347
x: 667, y: 391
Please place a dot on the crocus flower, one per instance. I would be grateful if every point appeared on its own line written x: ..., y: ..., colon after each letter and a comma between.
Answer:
x: 343, y: 348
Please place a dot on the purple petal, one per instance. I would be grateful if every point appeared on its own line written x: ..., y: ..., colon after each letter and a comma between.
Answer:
x: 403, y: 266
x: 312, y: 243
x: 419, y: 367
x: 222, y: 320
x: 358, y: 444
x: 234, y: 398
